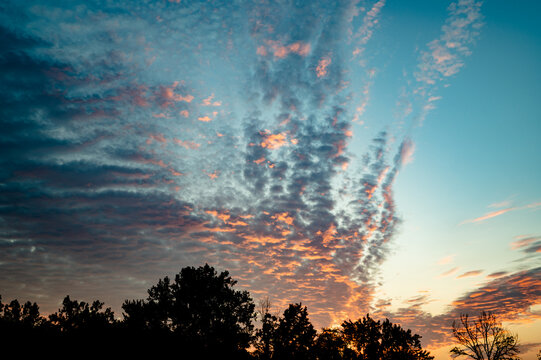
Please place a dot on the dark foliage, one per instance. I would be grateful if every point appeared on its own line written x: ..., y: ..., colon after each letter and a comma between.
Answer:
x: 200, y: 309
x: 331, y: 344
x: 295, y: 334
x: 372, y: 339
x: 197, y: 316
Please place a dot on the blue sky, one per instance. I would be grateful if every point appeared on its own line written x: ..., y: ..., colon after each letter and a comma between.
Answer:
x: 361, y: 156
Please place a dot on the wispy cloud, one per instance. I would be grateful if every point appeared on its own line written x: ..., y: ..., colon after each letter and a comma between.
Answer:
x: 445, y: 54
x: 527, y: 244
x: 446, y: 260
x: 487, y: 216
x: 492, y: 214
x: 469, y: 274
x: 449, y: 272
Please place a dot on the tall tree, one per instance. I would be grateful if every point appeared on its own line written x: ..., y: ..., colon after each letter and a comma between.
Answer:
x: 484, y: 339
x: 200, y: 308
x: 331, y: 345
x: 372, y: 339
x: 265, y: 335
x: 295, y: 335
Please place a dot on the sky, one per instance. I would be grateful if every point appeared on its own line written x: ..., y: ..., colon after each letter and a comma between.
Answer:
x: 359, y: 157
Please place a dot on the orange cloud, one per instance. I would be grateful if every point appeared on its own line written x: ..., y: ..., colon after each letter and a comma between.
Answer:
x: 524, y: 241
x: 470, y: 273
x: 284, y: 217
x: 213, y: 175
x: 187, y: 144
x: 273, y: 141
x: 449, y: 272
x: 259, y: 161
x: 321, y: 69
x: 175, y: 173
x: 281, y: 51
x: 208, y: 101
x: 158, y: 137
x: 492, y: 214
x: 204, y: 118
x: 488, y: 216
x: 446, y: 260
x: 169, y: 94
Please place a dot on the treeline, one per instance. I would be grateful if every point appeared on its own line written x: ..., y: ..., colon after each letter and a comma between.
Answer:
x: 198, y: 315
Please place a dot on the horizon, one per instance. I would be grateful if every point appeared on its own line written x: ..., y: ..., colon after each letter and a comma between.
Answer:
x: 359, y: 157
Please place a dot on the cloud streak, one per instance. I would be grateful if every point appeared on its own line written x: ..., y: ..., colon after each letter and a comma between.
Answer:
x: 493, y: 214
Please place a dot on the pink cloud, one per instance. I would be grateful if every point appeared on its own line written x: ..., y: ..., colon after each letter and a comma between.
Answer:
x: 470, y: 273
x: 365, y: 31
x: 204, y: 118
x: 406, y: 152
x: 158, y: 137
x: 321, y: 69
x: 208, y: 101
x: 449, y: 272
x: 169, y: 96
x: 524, y: 241
x: 281, y: 51
x: 489, y: 215
x: 446, y: 260
x: 187, y: 144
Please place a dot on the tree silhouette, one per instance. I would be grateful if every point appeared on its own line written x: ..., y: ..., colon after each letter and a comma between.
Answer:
x: 295, y: 334
x: 264, y: 344
x: 200, y: 315
x: 77, y: 316
x: 331, y: 345
x: 23, y: 317
x: 372, y: 339
x: 484, y: 338
x: 200, y: 308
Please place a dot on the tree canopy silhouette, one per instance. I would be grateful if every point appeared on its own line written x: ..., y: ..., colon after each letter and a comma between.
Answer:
x: 199, y: 315
x: 484, y: 339
x: 294, y: 335
x: 332, y: 345
x: 265, y: 336
x: 200, y: 308
x: 81, y: 316
x: 372, y: 339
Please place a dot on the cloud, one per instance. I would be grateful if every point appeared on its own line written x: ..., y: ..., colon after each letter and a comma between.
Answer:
x: 118, y: 167
x: 502, y: 204
x: 444, y: 56
x: 406, y: 151
x: 487, y: 216
x: 446, y: 260
x: 510, y: 297
x: 527, y: 244
x: 321, y: 69
x: 107, y: 174
x: 366, y: 30
x: 470, y: 273
x: 497, y: 274
x: 496, y: 213
x: 449, y: 272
